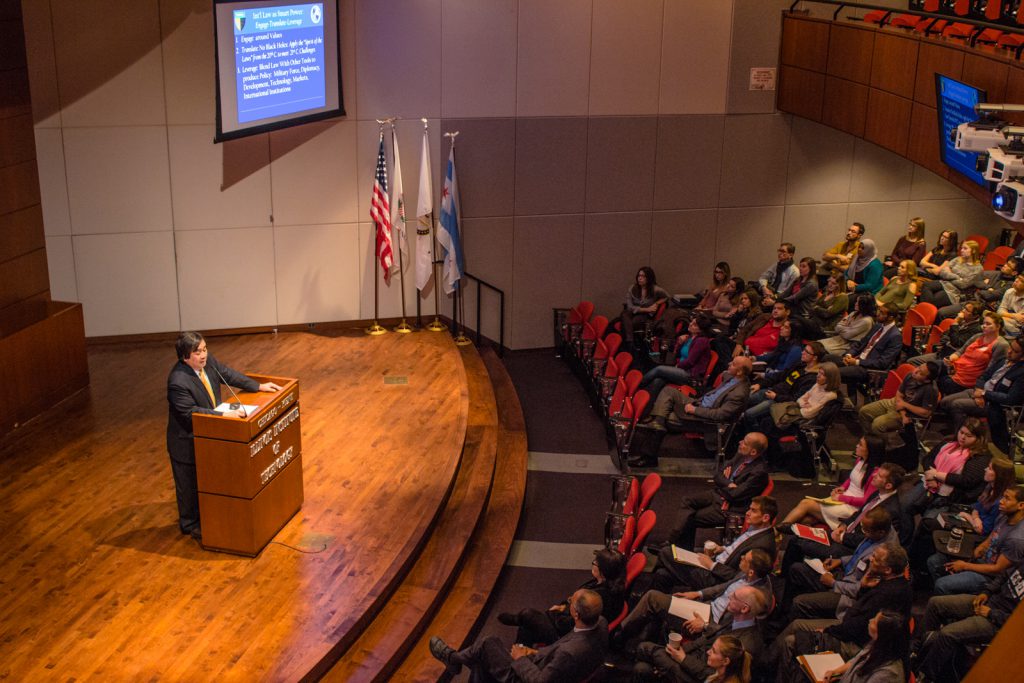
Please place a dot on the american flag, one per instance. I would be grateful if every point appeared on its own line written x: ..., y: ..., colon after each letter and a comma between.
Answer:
x: 380, y: 212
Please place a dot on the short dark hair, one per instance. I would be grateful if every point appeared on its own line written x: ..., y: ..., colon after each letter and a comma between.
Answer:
x: 933, y: 369
x: 817, y: 349
x: 761, y: 562
x: 896, y: 475
x: 895, y: 557
x: 788, y: 246
x: 768, y: 506
x: 187, y: 343
x: 1018, y: 492
x: 860, y: 226
x: 785, y: 304
x: 878, y: 518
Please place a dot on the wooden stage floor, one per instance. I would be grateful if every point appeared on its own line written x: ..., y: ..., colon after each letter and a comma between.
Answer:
x: 96, y: 582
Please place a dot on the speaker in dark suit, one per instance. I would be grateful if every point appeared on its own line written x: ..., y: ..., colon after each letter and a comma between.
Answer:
x: 193, y: 386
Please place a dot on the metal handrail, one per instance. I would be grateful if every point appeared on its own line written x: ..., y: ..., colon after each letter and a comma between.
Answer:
x: 501, y: 311
x: 839, y: 5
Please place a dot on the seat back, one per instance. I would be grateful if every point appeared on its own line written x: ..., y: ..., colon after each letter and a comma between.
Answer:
x: 927, y: 311
x: 894, y: 379
x: 651, y: 484
x: 935, y: 334
x: 626, y: 542
x: 634, y: 567
x: 613, y: 341
x: 618, y: 397
x: 913, y: 319
x: 644, y: 526
x: 635, y: 405
x: 633, y: 379
x: 629, y: 507
x: 622, y: 362
x: 997, y: 257
x: 618, y: 620
x: 601, y: 350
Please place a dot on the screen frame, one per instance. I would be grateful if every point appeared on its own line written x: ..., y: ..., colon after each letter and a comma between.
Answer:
x: 944, y: 142
x: 219, y: 134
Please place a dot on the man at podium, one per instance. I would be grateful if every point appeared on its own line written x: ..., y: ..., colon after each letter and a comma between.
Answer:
x: 193, y: 386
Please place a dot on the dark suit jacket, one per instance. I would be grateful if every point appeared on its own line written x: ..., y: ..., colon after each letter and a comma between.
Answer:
x: 696, y: 666
x: 727, y: 405
x: 749, y: 483
x: 1009, y: 391
x: 886, y: 351
x: 187, y: 395
x: 902, y: 522
x: 894, y: 594
x: 731, y: 567
x: 573, y: 657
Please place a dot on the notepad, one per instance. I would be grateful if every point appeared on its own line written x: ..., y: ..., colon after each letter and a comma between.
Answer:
x: 687, y: 609
x: 684, y: 556
x: 815, y: 666
x: 815, y: 564
x: 249, y: 410
x: 825, y: 501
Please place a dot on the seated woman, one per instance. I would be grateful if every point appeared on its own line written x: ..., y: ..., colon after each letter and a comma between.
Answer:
x: 999, y: 476
x: 911, y: 247
x: 693, y: 353
x: 829, y: 308
x: 851, y: 495
x: 608, y: 573
x: 954, y: 280
x: 954, y: 472
x: 728, y: 302
x: 746, y: 313
x: 853, y: 327
x: 949, y: 244
x: 864, y: 276
x: 802, y: 294
x: 902, y: 289
x: 883, y: 659
x: 787, y: 388
x: 642, y: 302
x: 709, y: 297
x: 963, y: 368
x: 730, y: 661
x: 785, y: 356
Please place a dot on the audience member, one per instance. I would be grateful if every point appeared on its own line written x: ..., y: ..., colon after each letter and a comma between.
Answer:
x: 781, y: 274
x: 642, y: 301
x: 883, y: 659
x: 709, y: 297
x: 916, y: 397
x: 969, y: 362
x: 1001, y: 549
x: 786, y: 354
x: 991, y: 285
x: 852, y: 327
x: 954, y: 471
x: 999, y: 475
x: 761, y: 335
x: 573, y: 657
x: 864, y: 276
x: 966, y: 325
x: 748, y: 310
x: 788, y: 388
x: 836, y: 260
x: 879, y: 349
x: 608, y: 573
x: 1011, y: 308
x: 693, y: 355
x: 829, y: 308
x: 803, y: 291
x: 954, y: 279
x: 730, y: 661
x: 719, y: 563
x: 947, y: 248
x: 743, y: 477
x: 910, y: 247
x: 901, y: 291
x: 786, y: 415
x: 729, y: 302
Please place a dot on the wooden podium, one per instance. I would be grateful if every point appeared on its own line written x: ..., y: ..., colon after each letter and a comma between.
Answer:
x: 249, y: 470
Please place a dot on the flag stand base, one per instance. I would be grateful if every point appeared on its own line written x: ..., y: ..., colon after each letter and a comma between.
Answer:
x: 437, y: 325
x: 403, y: 327
x: 463, y: 340
x: 375, y: 329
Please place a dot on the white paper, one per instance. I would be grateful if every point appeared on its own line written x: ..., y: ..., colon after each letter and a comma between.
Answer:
x: 687, y: 557
x: 249, y: 409
x: 819, y: 664
x: 815, y: 564
x: 687, y: 609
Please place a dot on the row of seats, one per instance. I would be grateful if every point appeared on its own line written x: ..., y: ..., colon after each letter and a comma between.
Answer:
x: 991, y: 11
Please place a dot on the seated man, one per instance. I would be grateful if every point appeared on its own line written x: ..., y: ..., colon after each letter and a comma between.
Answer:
x: 847, y: 536
x: 1001, y: 385
x: 879, y: 349
x: 967, y: 324
x: 764, y: 332
x: 812, y: 595
x: 836, y: 260
x: 720, y: 563
x: 1003, y: 549
x: 883, y: 586
x: 742, y: 478
x: 650, y: 614
x: 689, y: 663
x: 675, y: 409
x: 953, y: 621
x: 788, y: 388
x: 573, y: 657
x: 781, y: 274
x: 916, y: 397
x: 1011, y: 308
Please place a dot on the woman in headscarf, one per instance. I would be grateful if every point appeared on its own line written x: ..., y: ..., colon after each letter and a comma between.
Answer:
x: 864, y: 276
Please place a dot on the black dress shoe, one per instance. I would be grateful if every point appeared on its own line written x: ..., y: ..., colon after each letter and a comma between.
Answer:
x: 196, y: 533
x: 442, y: 653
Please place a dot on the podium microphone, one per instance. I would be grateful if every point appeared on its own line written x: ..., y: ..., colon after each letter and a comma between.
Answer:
x: 238, y: 402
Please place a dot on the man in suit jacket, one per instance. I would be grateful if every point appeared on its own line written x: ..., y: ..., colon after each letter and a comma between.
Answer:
x: 676, y: 410
x: 847, y: 536
x: 689, y: 663
x: 1001, y: 385
x: 720, y: 563
x: 190, y: 389
x: 571, y: 658
x: 742, y: 478
x: 879, y: 349
x: 883, y: 586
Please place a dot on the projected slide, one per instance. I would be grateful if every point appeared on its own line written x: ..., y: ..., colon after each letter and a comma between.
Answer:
x: 955, y: 103
x: 279, y: 60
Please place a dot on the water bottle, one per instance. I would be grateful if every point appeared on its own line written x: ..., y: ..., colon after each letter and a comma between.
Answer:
x: 956, y: 541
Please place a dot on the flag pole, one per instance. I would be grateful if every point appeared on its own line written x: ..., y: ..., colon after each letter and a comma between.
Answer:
x: 402, y: 327
x: 376, y: 328
x: 457, y: 311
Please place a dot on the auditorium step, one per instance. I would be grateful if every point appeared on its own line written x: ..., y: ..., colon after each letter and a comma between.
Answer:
x: 451, y: 578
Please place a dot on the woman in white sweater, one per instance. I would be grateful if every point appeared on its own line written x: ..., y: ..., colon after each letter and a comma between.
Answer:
x: 855, y: 325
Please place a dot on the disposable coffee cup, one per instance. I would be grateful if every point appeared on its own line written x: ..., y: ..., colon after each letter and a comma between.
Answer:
x: 709, y: 546
x: 675, y: 640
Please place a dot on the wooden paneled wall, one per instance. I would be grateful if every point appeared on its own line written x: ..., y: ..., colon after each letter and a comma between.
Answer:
x: 23, y: 273
x: 42, y: 343
x: 879, y: 84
